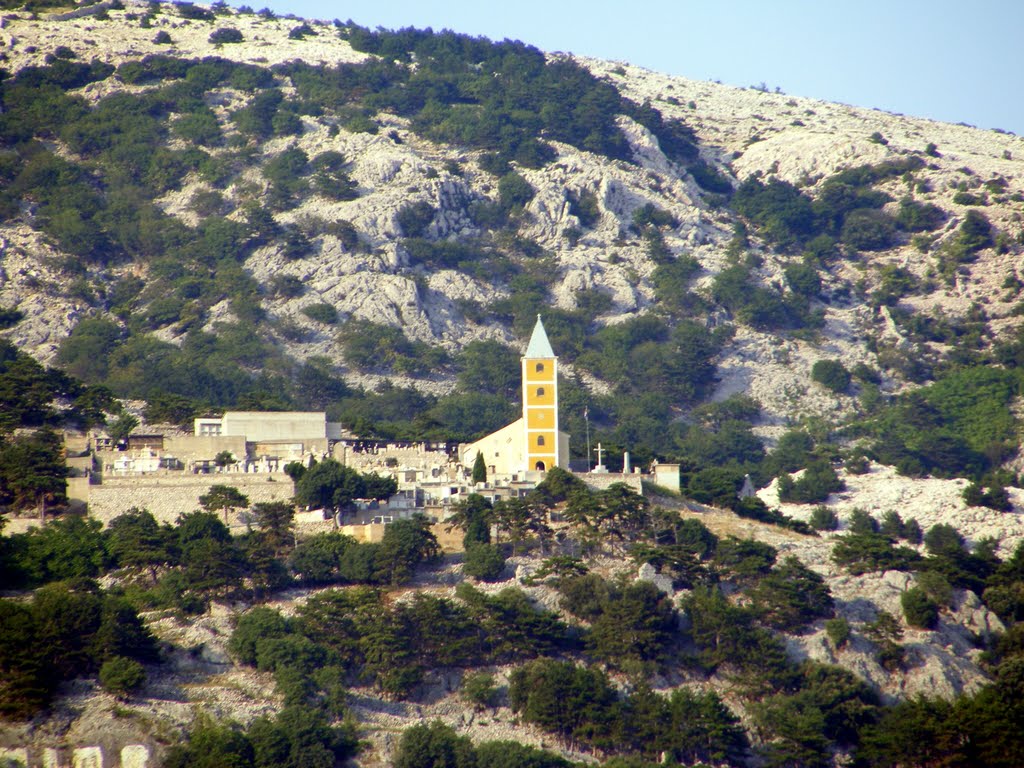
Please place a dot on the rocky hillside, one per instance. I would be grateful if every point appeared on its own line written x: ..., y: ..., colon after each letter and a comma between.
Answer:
x: 204, y: 209
x: 883, y: 291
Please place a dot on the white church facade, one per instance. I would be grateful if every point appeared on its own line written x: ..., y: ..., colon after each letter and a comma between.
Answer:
x: 533, y: 443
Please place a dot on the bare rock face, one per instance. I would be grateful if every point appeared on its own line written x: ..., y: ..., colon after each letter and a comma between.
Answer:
x: 930, y: 501
x: 970, y: 613
x: 808, y: 155
x: 741, y: 132
x: 938, y: 663
x: 31, y: 282
x: 645, y: 146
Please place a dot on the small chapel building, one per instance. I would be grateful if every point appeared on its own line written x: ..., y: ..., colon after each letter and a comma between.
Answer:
x: 532, y: 443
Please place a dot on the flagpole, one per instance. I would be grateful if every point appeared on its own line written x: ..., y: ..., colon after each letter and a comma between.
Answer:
x: 586, y: 418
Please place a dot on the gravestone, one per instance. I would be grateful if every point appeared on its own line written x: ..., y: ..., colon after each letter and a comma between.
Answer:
x: 135, y: 756
x: 87, y: 757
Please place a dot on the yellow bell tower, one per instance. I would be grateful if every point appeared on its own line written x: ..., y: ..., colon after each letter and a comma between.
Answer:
x: 540, y: 402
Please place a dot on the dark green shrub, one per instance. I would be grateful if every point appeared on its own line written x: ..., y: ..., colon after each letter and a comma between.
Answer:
x: 484, y: 562
x: 436, y: 745
x: 912, y: 532
x: 817, y: 482
x: 717, y: 486
x: 865, y: 373
x: 755, y: 305
x: 919, y: 217
x: 199, y: 126
x: 414, y: 218
x: 824, y: 519
x: 565, y: 699
x: 360, y: 123
x: 671, y: 280
x: 831, y: 374
x: 301, y: 32
x: 321, y: 313
x: 837, y: 200
x: 791, y: 597
x: 323, y: 558
x: 287, y: 286
x: 868, y: 230
x: 866, y: 553
x: 994, y: 497
x: 780, y: 212
x: 479, y: 689
x: 821, y: 249
x: 372, y: 346
x: 804, y: 279
x: 191, y: 11
x: 945, y: 540
x: 755, y: 509
x: 163, y: 37
x: 226, y: 35
x: 936, y: 586
x: 857, y: 464
x: 330, y: 178
x: 634, y: 625
x: 891, y: 525
x: 256, y: 118
x: 861, y: 522
x: 585, y: 207
x: 968, y: 198
x: 919, y: 609
x: 512, y: 754
x: 514, y: 191
x: 885, y: 631
x: 829, y: 706
x: 793, y: 451
x: 494, y: 164
x: 285, y: 172
x: 651, y: 216
x: 274, y: 654
x: 838, y: 631
x: 744, y: 559
x: 975, y: 233
x: 10, y: 317
x: 709, y: 178
x: 121, y: 676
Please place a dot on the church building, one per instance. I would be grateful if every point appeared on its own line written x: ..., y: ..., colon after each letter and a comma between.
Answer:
x: 533, y: 443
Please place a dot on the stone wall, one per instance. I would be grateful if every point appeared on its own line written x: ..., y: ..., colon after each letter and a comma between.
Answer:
x: 373, y: 533
x: 78, y: 493
x: 169, y: 495
x: 600, y: 481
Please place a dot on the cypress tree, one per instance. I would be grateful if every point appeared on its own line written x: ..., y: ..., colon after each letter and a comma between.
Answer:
x: 479, y: 469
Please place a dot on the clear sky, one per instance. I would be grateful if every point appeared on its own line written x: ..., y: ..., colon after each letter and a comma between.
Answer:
x: 952, y: 60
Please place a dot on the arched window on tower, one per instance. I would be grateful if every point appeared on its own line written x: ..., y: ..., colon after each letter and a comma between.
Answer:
x: 539, y: 368
x: 540, y: 391
x: 540, y: 439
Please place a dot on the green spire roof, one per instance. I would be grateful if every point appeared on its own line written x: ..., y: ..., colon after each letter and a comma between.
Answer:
x: 539, y: 345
